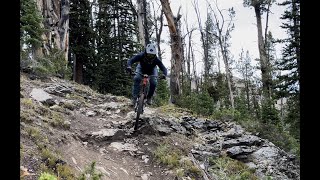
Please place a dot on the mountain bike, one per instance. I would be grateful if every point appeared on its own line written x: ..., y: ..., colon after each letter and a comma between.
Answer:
x: 141, y: 98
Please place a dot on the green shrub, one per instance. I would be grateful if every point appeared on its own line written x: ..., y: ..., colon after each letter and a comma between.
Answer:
x: 47, y: 176
x: 53, y: 64
x: 162, y: 94
x: 91, y: 170
x: 201, y: 103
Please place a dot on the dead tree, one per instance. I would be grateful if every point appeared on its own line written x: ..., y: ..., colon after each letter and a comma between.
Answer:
x: 176, y: 50
x: 222, y: 34
x: 158, y: 27
x: 56, y: 20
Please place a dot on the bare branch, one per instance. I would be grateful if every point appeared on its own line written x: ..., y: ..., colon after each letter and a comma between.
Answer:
x: 266, y: 31
x: 215, y: 18
x: 204, y: 173
x: 189, y: 32
x: 220, y: 14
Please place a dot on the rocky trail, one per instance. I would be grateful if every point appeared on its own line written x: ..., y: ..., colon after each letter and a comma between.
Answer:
x: 64, y: 124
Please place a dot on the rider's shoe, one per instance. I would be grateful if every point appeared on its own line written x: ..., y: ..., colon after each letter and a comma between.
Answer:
x: 149, y: 101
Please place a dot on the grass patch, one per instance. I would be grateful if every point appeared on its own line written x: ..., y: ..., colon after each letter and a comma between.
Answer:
x: 165, y: 155
x: 226, y: 168
x: 57, y: 120
x: 47, y: 176
x: 27, y: 115
x: 65, y: 172
x: 34, y: 133
x: 43, y: 111
x: 174, y: 111
x: 226, y: 114
x: 189, y: 168
x: 51, y: 165
x: 58, y: 108
x: 49, y: 157
x: 91, y: 172
x: 27, y: 103
x: 68, y: 105
x: 84, y: 90
x: 174, y: 159
x: 78, y: 98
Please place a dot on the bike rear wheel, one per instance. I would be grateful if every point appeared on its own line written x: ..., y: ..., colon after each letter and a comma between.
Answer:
x: 139, y: 110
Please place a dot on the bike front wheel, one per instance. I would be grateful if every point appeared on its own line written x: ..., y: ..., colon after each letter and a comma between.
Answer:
x: 139, y: 111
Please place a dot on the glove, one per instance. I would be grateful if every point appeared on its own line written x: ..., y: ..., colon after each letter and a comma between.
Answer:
x: 162, y: 76
x: 129, y: 70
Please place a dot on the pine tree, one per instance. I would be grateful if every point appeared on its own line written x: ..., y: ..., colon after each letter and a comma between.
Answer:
x: 289, y: 82
x: 116, y: 43
x: 245, y: 69
x: 208, y: 45
x: 30, y: 26
x: 289, y: 85
x: 162, y: 94
x: 81, y: 41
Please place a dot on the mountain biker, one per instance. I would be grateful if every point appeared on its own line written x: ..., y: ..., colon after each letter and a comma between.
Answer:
x: 148, y: 61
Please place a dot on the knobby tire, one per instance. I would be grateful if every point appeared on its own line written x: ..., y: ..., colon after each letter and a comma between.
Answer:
x: 139, y: 111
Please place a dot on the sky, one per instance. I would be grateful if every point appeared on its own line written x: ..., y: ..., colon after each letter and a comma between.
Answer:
x: 243, y: 36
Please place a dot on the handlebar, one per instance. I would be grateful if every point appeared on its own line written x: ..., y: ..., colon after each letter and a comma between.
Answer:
x: 134, y: 73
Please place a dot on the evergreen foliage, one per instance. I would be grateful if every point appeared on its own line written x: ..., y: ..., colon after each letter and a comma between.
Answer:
x: 116, y: 44
x: 30, y: 25
x: 82, y: 36
x: 288, y: 84
x: 162, y: 94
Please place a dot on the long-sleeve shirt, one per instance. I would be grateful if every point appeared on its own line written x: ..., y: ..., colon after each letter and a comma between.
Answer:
x: 147, y: 66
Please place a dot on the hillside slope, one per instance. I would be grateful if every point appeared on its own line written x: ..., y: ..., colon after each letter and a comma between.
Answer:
x: 66, y: 128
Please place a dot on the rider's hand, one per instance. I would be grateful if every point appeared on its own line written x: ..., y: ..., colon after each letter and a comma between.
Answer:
x: 129, y: 70
x: 162, y: 76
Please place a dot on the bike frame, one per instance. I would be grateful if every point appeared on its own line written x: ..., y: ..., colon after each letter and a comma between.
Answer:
x: 140, y: 102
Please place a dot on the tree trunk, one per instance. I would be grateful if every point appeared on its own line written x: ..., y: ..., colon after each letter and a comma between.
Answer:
x: 247, y: 94
x: 189, y: 58
x: 39, y: 52
x: 74, y: 58
x: 176, y: 50
x: 225, y: 60
x: 56, y: 20
x: 145, y: 23
x: 203, y: 41
x: 141, y: 22
x: 255, y: 95
x: 158, y: 35
x: 218, y: 61
x: 189, y: 55
x: 63, y: 27
x: 79, y: 73
x: 158, y: 30
x: 194, y: 70
x: 265, y: 70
